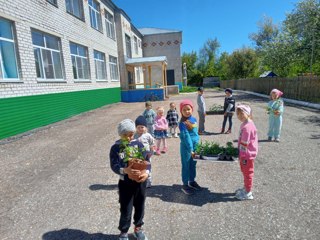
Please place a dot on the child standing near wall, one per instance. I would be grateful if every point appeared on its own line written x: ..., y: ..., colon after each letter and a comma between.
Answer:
x: 146, y: 139
x: 275, y: 111
x: 131, y: 193
x: 160, y: 131
x: 189, y: 139
x: 248, y: 150
x: 150, y: 115
x: 228, y: 108
x: 173, y: 120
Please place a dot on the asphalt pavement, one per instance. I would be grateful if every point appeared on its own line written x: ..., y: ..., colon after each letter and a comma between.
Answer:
x: 56, y: 182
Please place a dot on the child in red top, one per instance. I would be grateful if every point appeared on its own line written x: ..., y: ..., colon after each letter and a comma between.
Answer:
x: 248, y: 149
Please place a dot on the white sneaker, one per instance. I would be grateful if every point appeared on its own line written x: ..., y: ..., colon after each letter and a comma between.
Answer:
x: 176, y: 135
x: 244, y: 195
x: 169, y: 135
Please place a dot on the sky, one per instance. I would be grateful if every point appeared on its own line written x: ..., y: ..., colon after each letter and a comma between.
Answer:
x: 230, y: 21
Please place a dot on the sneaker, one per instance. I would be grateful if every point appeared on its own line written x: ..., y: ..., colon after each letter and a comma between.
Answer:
x: 269, y: 139
x: 123, y: 236
x: 164, y: 150
x: 176, y: 135
x: 244, y: 195
x: 158, y: 152
x: 169, y: 135
x: 194, y: 185
x: 139, y: 234
x: 222, y: 130
x: 187, y: 190
x: 227, y: 132
x: 277, y: 140
x: 239, y: 191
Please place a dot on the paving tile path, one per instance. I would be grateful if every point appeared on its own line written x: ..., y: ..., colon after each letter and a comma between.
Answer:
x: 56, y: 184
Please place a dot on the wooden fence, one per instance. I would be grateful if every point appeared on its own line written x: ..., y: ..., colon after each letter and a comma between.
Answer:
x: 306, y: 88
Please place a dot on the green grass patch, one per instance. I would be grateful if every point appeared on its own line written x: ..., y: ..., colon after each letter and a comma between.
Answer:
x: 188, y: 89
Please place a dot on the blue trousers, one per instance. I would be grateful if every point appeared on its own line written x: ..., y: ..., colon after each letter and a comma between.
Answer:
x: 275, y: 124
x: 188, y: 169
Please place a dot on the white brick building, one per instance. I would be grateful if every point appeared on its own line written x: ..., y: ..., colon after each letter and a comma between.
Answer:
x: 59, y: 58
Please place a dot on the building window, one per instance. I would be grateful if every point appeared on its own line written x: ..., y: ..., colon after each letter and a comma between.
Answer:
x: 80, y: 62
x: 110, y: 25
x: 100, y: 63
x: 75, y: 7
x: 113, y: 64
x: 128, y: 46
x: 135, y: 42
x: 95, y: 17
x: 54, y: 2
x: 47, y: 53
x: 8, y: 54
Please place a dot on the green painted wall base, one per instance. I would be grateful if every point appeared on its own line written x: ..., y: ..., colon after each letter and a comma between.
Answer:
x: 21, y: 114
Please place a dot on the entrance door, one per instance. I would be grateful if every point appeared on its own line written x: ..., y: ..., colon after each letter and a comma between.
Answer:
x: 170, y: 77
x: 130, y: 80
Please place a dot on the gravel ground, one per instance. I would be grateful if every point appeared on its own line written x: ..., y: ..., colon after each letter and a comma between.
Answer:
x: 56, y: 183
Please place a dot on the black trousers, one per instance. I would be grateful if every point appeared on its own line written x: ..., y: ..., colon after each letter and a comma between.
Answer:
x: 131, y: 194
x: 229, y: 116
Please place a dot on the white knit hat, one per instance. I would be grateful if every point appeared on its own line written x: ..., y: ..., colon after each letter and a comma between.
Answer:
x: 125, y: 126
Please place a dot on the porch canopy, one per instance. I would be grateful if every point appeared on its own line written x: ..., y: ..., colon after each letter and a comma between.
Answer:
x: 150, y: 80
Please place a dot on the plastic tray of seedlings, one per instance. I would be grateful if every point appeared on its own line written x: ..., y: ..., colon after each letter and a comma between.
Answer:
x: 222, y: 158
x: 212, y: 151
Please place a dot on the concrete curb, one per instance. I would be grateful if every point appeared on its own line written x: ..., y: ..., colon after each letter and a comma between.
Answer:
x: 301, y: 103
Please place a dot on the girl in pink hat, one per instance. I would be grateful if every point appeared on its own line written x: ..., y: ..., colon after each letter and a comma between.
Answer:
x: 275, y: 111
x: 248, y: 149
x: 189, y: 139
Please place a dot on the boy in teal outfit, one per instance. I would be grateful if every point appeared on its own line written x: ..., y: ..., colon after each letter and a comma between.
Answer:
x: 275, y: 111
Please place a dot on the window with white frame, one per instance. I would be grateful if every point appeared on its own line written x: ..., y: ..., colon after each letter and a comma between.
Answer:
x: 100, y: 64
x: 95, y: 17
x: 135, y: 42
x: 47, y: 54
x: 110, y: 25
x: 80, y: 62
x: 75, y: 7
x: 128, y: 46
x: 8, y: 54
x: 113, y: 65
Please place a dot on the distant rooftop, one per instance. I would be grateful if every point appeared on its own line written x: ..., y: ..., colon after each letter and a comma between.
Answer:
x: 150, y: 31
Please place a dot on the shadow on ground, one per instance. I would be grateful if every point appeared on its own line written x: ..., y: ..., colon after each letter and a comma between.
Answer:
x: 75, y: 234
x: 311, y: 120
x: 175, y: 195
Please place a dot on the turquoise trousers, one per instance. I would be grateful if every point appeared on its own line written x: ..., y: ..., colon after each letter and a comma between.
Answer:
x: 275, y: 124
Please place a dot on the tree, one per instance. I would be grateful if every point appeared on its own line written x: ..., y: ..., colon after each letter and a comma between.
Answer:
x: 242, y: 63
x: 222, y: 66
x: 193, y: 74
x: 304, y: 24
x: 267, y: 32
x: 208, y: 56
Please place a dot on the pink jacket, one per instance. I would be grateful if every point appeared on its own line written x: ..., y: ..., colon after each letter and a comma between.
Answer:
x: 160, y: 123
x: 248, y: 140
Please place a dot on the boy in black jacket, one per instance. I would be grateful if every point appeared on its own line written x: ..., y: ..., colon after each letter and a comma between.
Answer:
x: 131, y: 193
x: 228, y: 108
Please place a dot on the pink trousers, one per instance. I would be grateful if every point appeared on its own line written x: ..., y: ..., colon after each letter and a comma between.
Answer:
x: 247, y: 169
